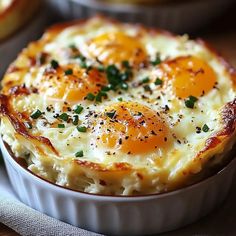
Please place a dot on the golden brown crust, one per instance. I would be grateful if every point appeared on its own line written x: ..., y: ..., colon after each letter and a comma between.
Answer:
x: 19, y: 90
x: 99, y: 167
x: 228, y: 118
x: 15, y: 119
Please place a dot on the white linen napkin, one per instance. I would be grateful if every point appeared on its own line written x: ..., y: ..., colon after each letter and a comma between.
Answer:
x: 27, y: 221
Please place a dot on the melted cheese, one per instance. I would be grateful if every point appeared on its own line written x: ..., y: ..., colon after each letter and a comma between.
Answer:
x: 151, y: 143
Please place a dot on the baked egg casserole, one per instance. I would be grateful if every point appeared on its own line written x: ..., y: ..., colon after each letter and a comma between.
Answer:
x: 111, y: 108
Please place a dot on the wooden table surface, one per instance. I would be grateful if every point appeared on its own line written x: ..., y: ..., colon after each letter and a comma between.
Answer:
x: 222, y: 35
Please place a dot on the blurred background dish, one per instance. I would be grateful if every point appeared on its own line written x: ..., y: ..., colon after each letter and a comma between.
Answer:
x: 14, y: 14
x: 21, y: 21
x: 179, y: 16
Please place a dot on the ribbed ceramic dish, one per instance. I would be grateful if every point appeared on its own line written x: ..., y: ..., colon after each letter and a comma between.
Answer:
x: 179, y: 17
x: 135, y: 215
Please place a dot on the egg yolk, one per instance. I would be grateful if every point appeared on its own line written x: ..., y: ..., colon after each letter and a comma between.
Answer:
x: 115, y: 47
x: 72, y: 83
x: 188, y: 76
x: 132, y: 128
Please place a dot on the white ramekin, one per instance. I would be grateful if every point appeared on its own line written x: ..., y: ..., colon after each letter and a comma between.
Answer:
x: 179, y: 17
x: 120, y: 215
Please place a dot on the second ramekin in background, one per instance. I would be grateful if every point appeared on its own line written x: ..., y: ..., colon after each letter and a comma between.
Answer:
x: 177, y: 16
x: 16, y: 31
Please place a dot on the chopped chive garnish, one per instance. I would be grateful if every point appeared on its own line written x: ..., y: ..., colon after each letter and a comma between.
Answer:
x: 192, y: 98
x: 145, y: 80
x: 125, y: 64
x: 103, y: 94
x: 112, y: 70
x: 78, y: 109
x: 69, y: 72
x: 54, y: 64
x: 90, y: 96
x: 101, y: 68
x: 120, y: 99
x: 79, y: 153
x: 205, y: 128
x: 82, y: 129
x: 75, y: 120
x: 111, y: 114
x: 100, y: 95
x: 117, y: 79
x: 36, y: 114
x: 28, y: 125
x: 61, y: 126
x: 105, y: 88
x: 83, y: 64
x: 82, y: 61
x: 111, y: 87
x: 124, y: 86
x: 64, y: 116
x: 190, y: 101
x: 158, y: 81
x: 125, y: 76
x: 157, y: 61
x: 98, y: 98
x: 113, y: 75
